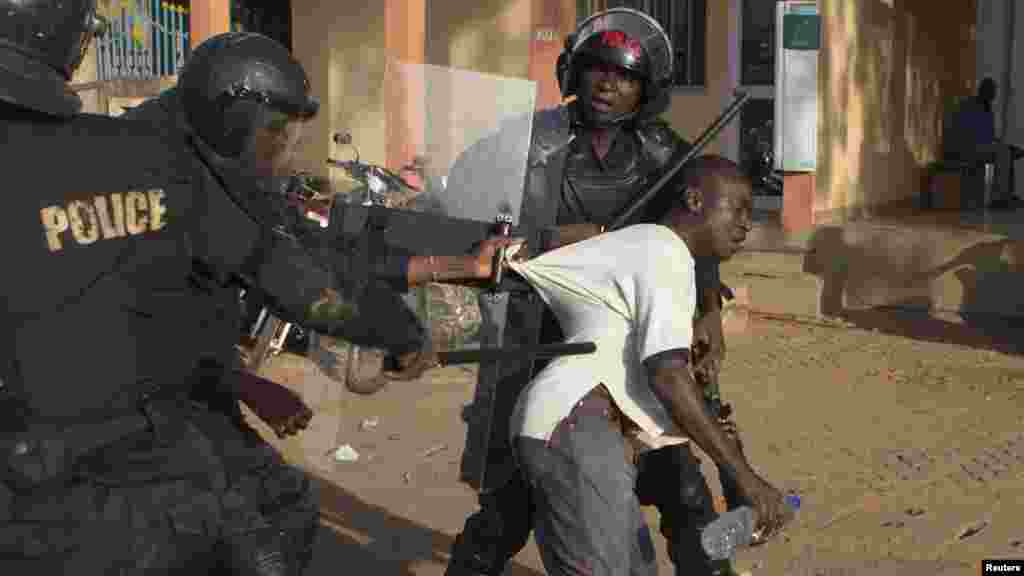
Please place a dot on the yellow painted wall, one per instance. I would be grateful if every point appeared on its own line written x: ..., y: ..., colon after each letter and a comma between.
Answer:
x: 491, y: 36
x: 341, y: 46
x: 88, y: 73
x: 693, y: 109
x: 888, y: 71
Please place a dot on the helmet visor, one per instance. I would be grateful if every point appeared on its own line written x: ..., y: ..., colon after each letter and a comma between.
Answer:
x: 274, y: 147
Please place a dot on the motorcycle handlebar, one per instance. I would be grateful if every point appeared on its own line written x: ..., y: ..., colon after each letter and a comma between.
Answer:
x: 359, y: 171
x: 347, y: 165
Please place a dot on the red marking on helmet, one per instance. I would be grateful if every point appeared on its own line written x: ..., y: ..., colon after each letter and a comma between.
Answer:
x: 619, y: 39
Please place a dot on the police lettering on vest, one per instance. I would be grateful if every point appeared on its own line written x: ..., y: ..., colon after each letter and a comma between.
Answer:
x: 103, y: 217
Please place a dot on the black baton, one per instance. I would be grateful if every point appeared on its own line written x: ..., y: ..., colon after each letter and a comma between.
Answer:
x: 473, y: 356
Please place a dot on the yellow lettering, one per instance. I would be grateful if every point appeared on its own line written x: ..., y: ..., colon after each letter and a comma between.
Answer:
x: 85, y: 229
x: 117, y: 203
x: 135, y: 212
x: 106, y: 224
x: 156, y: 209
x: 106, y: 217
x: 55, y: 221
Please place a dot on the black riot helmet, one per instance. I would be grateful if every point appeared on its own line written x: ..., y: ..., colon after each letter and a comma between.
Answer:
x: 42, y: 43
x: 628, y: 39
x: 232, y: 82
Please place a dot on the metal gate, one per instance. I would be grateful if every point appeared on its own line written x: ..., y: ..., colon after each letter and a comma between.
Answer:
x: 146, y: 39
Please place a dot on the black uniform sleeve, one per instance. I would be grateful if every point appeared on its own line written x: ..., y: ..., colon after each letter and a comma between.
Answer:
x: 357, y: 254
x: 341, y: 296
x: 163, y: 111
x: 339, y: 286
x: 307, y: 278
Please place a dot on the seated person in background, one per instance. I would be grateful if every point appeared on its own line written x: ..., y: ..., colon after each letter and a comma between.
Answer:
x: 973, y: 139
x: 580, y: 423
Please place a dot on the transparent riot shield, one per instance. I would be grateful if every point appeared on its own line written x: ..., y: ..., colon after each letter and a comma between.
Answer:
x: 456, y: 161
x: 468, y: 132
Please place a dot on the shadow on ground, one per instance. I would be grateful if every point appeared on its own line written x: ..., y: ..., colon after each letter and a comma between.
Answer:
x: 885, y: 281
x: 360, y: 538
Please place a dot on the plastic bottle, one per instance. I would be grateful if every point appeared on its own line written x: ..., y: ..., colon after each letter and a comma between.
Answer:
x: 733, y: 530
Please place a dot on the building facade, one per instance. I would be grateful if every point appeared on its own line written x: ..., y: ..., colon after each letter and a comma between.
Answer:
x: 888, y: 72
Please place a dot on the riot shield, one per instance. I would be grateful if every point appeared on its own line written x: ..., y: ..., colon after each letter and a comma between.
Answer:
x: 469, y: 134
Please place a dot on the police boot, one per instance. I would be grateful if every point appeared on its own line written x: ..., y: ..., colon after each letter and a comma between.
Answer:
x: 475, y: 551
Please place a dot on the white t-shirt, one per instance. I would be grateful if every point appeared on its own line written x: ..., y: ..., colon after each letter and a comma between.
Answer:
x: 631, y: 292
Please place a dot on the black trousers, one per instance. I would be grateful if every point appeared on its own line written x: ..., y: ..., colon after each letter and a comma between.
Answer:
x: 218, y: 500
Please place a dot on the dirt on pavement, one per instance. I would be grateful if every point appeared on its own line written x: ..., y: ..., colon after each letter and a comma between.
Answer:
x: 907, y: 453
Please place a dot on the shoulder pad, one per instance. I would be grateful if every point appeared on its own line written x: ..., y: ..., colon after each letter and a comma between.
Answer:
x: 660, y: 142
x: 164, y: 110
x: 659, y: 132
x: 550, y: 133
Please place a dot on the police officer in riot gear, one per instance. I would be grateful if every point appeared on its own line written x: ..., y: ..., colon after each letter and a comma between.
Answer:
x: 116, y: 261
x: 589, y: 159
x: 41, y: 45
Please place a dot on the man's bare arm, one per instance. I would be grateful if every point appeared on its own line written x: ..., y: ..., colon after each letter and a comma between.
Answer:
x: 423, y: 269
x: 670, y: 378
x: 570, y: 234
x: 672, y: 383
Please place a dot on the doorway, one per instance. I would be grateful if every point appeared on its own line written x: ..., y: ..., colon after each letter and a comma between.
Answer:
x: 271, y: 18
x: 755, y: 24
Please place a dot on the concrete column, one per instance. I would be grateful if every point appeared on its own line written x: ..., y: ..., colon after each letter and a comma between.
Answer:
x: 313, y: 47
x: 730, y: 136
x: 87, y: 74
x: 798, y: 201
x: 404, y: 41
x: 208, y: 18
x: 551, y: 22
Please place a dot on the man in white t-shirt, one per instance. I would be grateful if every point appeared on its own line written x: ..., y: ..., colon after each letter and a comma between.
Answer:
x: 579, y: 424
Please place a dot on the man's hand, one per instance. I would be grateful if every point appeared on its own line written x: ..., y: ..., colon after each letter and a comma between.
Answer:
x: 708, y: 347
x: 279, y: 407
x: 476, y: 269
x: 485, y: 255
x: 771, y: 512
x: 729, y: 426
